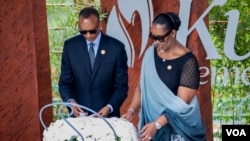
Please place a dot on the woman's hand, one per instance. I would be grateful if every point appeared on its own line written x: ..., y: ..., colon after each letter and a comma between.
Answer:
x: 129, y: 115
x: 148, y: 131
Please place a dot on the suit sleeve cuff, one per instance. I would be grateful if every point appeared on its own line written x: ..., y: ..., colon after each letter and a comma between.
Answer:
x: 111, y: 108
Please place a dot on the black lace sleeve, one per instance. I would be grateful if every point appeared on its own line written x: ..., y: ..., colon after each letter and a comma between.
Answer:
x: 190, y: 76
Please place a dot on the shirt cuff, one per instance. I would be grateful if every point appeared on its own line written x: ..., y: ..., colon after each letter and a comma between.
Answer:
x: 111, y: 108
x: 70, y: 100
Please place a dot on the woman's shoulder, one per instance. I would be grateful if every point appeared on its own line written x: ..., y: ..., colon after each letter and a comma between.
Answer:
x: 184, y: 56
x: 181, y: 50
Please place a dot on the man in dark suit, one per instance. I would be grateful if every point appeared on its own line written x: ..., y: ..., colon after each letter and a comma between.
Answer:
x: 102, y: 87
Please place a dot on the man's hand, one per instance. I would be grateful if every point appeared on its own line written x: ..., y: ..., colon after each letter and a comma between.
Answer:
x: 104, y: 111
x: 76, y: 109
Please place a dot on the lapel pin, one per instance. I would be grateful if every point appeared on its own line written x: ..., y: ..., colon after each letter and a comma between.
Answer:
x: 169, y: 67
x: 103, y: 52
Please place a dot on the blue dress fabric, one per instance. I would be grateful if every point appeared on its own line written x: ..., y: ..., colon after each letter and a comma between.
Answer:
x: 157, y: 99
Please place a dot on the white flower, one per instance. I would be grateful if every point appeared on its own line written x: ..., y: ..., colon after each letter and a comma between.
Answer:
x: 92, y: 129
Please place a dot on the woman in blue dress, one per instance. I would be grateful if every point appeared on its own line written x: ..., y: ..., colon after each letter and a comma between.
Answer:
x: 166, y: 93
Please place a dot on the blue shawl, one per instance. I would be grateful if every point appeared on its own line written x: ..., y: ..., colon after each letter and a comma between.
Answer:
x: 156, y: 99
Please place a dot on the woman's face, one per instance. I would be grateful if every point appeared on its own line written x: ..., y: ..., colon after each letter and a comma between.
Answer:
x: 161, y: 35
x: 89, y: 27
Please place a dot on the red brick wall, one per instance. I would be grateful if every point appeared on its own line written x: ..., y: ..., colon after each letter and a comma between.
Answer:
x: 25, y: 84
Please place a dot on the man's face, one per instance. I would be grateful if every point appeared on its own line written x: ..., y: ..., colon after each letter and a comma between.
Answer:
x: 89, y: 27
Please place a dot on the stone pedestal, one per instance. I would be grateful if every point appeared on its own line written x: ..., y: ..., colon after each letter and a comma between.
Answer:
x: 25, y: 84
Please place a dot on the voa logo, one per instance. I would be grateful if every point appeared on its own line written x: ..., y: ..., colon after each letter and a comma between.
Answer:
x: 236, y: 132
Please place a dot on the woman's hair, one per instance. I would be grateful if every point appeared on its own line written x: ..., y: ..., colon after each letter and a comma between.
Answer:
x: 170, y: 19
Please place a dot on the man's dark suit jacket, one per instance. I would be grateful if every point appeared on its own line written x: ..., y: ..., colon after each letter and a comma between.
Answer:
x: 106, y: 84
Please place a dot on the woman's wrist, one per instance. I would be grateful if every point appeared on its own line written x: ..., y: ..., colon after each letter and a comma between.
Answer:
x: 162, y: 120
x: 132, y: 111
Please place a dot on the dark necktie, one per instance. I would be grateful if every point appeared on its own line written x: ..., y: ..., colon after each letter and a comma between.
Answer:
x: 91, y: 54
